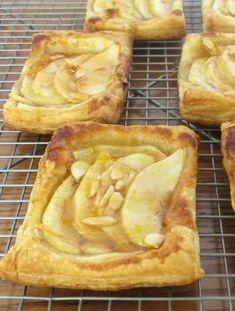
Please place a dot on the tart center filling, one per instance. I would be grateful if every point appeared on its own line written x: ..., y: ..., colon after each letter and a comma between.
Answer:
x: 217, y: 70
x: 63, y: 79
x: 135, y: 10
x: 112, y: 203
x: 225, y: 7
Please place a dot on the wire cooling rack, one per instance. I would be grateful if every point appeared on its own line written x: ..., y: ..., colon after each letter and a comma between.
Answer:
x: 152, y: 99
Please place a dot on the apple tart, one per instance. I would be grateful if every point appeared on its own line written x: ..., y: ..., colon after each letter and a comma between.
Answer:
x: 218, y: 15
x: 68, y: 77
x: 228, y: 151
x: 206, y: 78
x: 145, y: 19
x: 112, y: 207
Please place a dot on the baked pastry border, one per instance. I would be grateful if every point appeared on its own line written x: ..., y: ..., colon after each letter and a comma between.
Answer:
x: 198, y: 104
x: 216, y: 22
x: 228, y: 152
x: 104, y: 107
x: 167, y: 27
x: 31, y: 261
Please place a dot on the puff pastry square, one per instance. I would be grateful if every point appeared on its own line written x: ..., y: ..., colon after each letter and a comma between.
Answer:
x: 68, y: 77
x: 218, y: 15
x: 145, y: 19
x: 112, y: 207
x: 228, y: 151
x: 206, y: 78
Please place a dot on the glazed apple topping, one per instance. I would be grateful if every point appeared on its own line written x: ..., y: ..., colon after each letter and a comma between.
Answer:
x: 226, y: 7
x: 134, y: 10
x: 84, y: 69
x: 216, y: 71
x: 116, y: 204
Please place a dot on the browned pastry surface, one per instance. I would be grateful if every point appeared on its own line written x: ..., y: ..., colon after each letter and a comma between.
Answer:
x: 228, y: 151
x: 206, y: 78
x: 112, y: 207
x: 70, y: 76
x: 218, y: 15
x: 145, y: 19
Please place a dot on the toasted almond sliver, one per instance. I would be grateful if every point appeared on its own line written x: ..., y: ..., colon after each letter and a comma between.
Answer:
x: 116, y: 173
x: 119, y: 185
x: 79, y: 169
x: 154, y: 239
x: 116, y: 201
x: 100, y: 221
x: 94, y: 187
x: 107, y: 196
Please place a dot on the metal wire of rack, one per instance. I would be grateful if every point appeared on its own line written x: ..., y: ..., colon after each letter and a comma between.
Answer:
x: 152, y: 99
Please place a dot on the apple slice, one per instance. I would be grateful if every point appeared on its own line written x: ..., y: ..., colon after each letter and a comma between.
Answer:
x: 196, y: 74
x: 100, y: 6
x: 96, y: 82
x: 159, y: 7
x: 143, y: 8
x: 231, y: 7
x: 148, y: 194
x: 44, y: 94
x: 55, y: 224
x: 90, y: 154
x: 83, y: 201
x: 65, y: 84
x: 58, y: 241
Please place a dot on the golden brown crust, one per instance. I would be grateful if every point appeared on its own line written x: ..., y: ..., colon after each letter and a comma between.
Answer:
x: 166, y: 26
x: 228, y: 151
x: 176, y: 262
x: 202, y: 101
x: 218, y: 16
x: 27, y: 113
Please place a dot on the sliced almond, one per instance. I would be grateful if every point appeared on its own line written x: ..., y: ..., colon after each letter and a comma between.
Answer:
x: 79, y: 169
x: 116, y: 173
x: 154, y: 239
x: 119, y: 185
x: 116, y: 201
x: 100, y: 221
x: 107, y: 196
x: 94, y: 187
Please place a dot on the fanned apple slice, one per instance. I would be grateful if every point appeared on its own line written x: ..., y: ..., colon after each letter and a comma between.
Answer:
x: 58, y: 241
x: 57, y: 217
x: 148, y: 194
x: 65, y: 84
x: 89, y: 154
x: 231, y: 7
x: 83, y: 200
x: 143, y: 9
x: 96, y: 82
x: 101, y: 5
x: 74, y: 45
x: 47, y: 95
x: 100, y: 60
x: 225, y: 69
x: 159, y: 8
x: 196, y: 74
x: 126, y: 10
